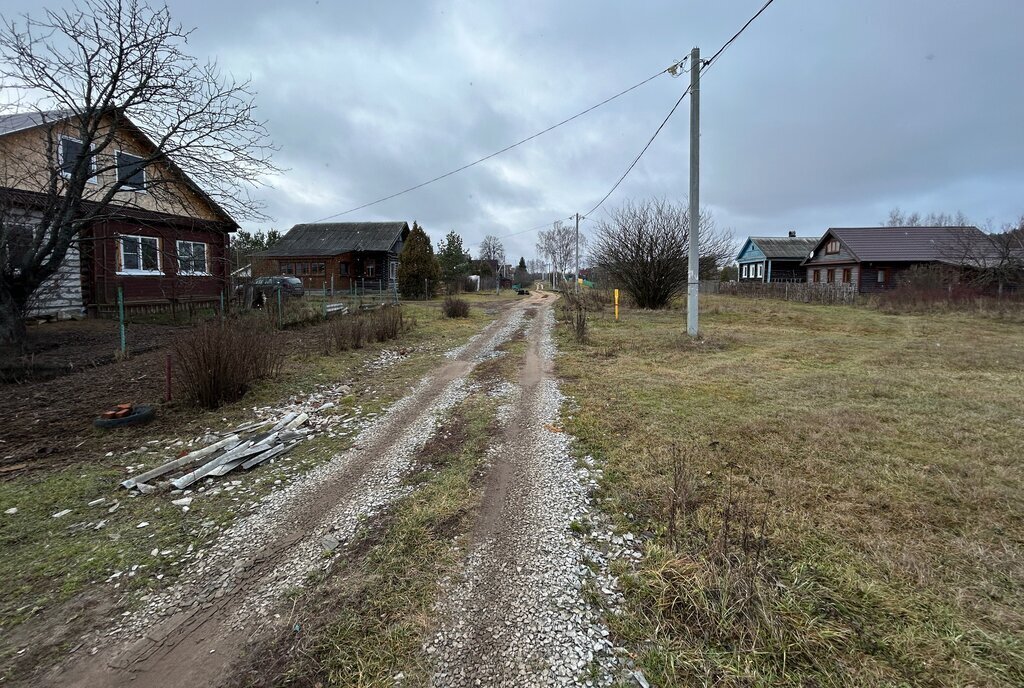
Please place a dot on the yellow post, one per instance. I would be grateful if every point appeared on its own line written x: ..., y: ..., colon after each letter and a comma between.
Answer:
x: 616, y: 305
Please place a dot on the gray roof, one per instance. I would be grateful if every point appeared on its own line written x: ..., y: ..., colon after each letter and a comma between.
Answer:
x: 26, y: 120
x: 335, y: 238
x: 913, y: 244
x: 794, y: 248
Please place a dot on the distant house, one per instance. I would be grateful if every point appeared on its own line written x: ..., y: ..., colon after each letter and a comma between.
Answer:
x: 337, y: 255
x: 774, y: 259
x: 155, y: 248
x: 873, y: 258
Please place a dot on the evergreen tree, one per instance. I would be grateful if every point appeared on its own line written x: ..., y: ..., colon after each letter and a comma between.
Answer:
x: 418, y: 271
x: 522, y: 275
x: 451, y: 256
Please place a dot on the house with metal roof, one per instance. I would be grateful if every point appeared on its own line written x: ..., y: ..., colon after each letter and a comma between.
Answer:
x: 160, y: 241
x: 337, y: 255
x: 774, y: 259
x: 874, y: 258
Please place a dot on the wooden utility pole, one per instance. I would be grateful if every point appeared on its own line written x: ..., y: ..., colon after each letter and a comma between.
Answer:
x: 693, y: 281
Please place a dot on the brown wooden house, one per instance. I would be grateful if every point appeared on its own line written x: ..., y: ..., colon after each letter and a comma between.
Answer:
x: 338, y: 256
x: 874, y: 258
x: 159, y: 249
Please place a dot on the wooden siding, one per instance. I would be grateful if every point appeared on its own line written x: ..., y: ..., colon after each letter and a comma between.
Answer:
x: 822, y: 258
x: 854, y: 269
x: 103, y: 274
x: 346, y: 269
x: 24, y: 165
x: 786, y: 271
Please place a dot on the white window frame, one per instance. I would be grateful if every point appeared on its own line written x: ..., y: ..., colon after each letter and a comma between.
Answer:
x: 393, y: 270
x: 94, y: 179
x: 743, y: 271
x: 117, y: 171
x: 206, y: 256
x: 122, y: 270
x: 760, y: 270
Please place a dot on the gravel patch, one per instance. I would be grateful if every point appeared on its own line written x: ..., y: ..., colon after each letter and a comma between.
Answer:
x: 384, y: 450
x: 517, y: 613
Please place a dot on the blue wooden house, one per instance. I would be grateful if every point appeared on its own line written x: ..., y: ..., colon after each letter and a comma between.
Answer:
x: 774, y: 259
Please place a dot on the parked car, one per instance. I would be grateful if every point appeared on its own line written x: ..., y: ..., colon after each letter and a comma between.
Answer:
x: 289, y: 286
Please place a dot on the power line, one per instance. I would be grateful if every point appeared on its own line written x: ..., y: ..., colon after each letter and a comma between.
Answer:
x: 705, y: 64
x: 503, y: 150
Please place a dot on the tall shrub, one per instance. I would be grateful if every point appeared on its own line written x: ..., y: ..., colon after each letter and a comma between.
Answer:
x: 217, y: 362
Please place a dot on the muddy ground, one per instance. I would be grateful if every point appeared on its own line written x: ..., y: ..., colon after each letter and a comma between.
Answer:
x: 50, y: 396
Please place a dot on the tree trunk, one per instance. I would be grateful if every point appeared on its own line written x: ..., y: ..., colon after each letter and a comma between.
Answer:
x: 12, y: 323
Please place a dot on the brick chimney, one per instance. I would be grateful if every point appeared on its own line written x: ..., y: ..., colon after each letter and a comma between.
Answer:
x: 792, y: 232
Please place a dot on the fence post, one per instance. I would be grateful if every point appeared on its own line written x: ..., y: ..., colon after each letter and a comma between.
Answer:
x: 222, y: 305
x: 280, y: 310
x: 120, y: 317
x: 167, y: 373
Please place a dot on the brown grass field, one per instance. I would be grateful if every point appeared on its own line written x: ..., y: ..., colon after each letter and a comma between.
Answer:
x: 828, y: 495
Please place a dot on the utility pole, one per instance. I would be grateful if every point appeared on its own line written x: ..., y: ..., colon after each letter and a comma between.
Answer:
x: 576, y: 284
x: 693, y: 282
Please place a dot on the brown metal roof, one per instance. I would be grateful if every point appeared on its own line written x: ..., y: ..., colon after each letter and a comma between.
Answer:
x: 912, y: 244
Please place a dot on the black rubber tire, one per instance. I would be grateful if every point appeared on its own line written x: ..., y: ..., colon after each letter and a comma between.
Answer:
x: 139, y: 415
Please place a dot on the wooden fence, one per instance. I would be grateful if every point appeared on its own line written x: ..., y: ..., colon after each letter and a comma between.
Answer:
x: 805, y: 292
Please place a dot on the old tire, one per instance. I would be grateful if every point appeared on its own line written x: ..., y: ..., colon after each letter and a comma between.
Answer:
x: 139, y: 415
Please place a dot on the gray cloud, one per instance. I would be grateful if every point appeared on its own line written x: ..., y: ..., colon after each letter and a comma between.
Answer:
x: 821, y: 114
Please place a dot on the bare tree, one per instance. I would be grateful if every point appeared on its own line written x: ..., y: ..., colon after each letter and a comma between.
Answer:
x: 94, y: 71
x: 992, y: 260
x: 491, y: 248
x: 644, y: 246
x: 897, y: 218
x: 558, y: 246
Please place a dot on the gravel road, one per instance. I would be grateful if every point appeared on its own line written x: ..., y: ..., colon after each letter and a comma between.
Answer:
x: 517, y: 614
x: 188, y: 634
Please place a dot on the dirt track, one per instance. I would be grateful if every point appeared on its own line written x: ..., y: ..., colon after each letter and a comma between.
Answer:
x: 190, y: 634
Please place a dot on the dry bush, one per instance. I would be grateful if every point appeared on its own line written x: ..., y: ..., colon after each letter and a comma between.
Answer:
x: 574, y: 312
x: 219, y: 361
x: 455, y: 308
x: 929, y: 288
x: 386, y: 323
x: 346, y: 332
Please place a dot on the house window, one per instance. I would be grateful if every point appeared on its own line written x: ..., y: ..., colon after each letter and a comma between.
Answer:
x: 830, y: 276
x: 847, y: 275
x: 343, y: 269
x: 760, y: 270
x: 393, y: 274
x: 882, y: 275
x: 371, y: 268
x: 139, y: 255
x: 69, y: 152
x: 192, y: 258
x: 286, y: 268
x: 301, y: 268
x: 832, y: 246
x: 321, y: 269
x: 817, y: 276
x: 744, y: 273
x: 131, y: 171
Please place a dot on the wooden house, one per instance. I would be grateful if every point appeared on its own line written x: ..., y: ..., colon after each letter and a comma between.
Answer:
x: 158, y: 248
x: 337, y: 255
x: 774, y: 259
x: 874, y: 258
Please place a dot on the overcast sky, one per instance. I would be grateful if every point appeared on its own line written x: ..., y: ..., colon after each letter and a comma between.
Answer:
x: 821, y: 114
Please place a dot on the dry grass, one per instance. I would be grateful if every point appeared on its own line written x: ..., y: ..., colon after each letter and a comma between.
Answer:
x: 889, y: 450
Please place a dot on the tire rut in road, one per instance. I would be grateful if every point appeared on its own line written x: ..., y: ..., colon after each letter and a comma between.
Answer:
x: 517, y: 614
x: 190, y: 633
